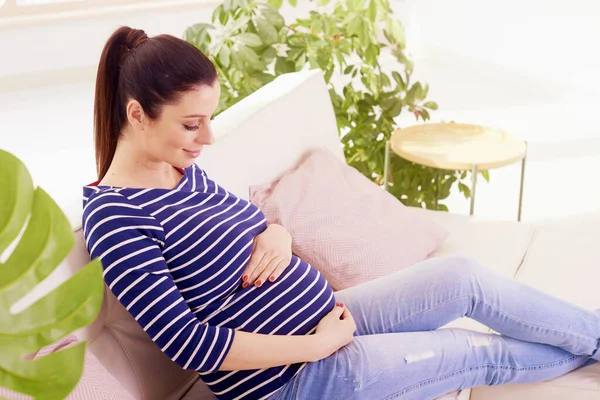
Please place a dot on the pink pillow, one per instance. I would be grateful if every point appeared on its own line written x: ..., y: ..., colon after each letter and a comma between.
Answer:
x: 96, y: 383
x: 343, y: 224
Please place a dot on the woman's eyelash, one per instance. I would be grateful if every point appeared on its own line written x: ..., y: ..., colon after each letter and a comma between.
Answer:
x: 191, y: 128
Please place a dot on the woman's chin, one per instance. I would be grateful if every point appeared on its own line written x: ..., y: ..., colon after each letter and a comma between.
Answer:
x: 184, y: 163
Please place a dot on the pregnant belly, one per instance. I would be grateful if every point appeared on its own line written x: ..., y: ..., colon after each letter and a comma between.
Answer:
x: 293, y: 304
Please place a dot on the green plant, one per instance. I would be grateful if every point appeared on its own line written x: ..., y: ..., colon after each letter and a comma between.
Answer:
x: 250, y: 44
x: 46, y: 241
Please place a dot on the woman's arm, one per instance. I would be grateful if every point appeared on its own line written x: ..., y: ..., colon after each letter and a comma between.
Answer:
x: 255, y: 351
x: 125, y: 238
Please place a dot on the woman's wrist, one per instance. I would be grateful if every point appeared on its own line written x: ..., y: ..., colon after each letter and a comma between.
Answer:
x: 321, y: 347
x: 280, y: 228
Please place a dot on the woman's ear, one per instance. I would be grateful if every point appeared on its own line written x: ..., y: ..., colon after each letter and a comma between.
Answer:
x: 135, y: 114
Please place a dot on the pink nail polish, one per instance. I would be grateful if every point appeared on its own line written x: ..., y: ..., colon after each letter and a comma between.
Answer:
x: 245, y: 285
x: 245, y: 278
x: 272, y: 278
x: 258, y: 283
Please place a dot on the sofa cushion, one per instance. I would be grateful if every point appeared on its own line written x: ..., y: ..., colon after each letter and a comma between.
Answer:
x: 581, y: 384
x: 96, y: 383
x: 264, y: 135
x: 563, y: 259
x: 343, y: 224
x: 125, y: 350
x: 498, y: 245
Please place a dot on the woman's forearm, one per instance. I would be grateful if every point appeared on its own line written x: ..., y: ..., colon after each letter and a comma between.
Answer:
x: 256, y: 351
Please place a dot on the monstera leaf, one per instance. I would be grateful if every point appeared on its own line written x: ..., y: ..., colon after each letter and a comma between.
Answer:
x: 46, y: 240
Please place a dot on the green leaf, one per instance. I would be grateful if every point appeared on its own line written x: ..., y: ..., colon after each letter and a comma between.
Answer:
x: 486, y: 175
x: 283, y: 66
x: 432, y: 105
x: 395, y: 110
x: 224, y: 56
x: 372, y: 10
x: 216, y: 15
x: 385, y: 80
x: 238, y: 24
x: 276, y: 3
x: 300, y: 62
x: 250, y: 57
x: 323, y: 60
x: 388, y: 104
x: 395, y: 32
x: 272, y: 15
x: 399, y: 80
x: 46, y: 241
x: 355, y: 5
x: 322, y: 3
x: 268, y: 55
x: 250, y: 39
x: 371, y: 54
x: 237, y: 59
x: 328, y: 75
x: 412, y: 93
x: 293, y: 3
x: 266, y: 31
x: 464, y: 189
x: 295, y: 52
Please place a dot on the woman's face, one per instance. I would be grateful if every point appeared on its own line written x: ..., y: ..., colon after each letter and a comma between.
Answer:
x: 178, y: 135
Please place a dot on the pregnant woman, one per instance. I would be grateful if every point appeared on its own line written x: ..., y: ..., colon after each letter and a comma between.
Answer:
x: 221, y: 293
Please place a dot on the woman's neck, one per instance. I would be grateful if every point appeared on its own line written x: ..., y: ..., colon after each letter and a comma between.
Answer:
x: 130, y: 168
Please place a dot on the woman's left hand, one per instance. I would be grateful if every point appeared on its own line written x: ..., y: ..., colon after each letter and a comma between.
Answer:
x: 271, y: 254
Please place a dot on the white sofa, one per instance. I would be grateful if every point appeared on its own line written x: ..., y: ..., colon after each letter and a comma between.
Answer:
x: 264, y: 135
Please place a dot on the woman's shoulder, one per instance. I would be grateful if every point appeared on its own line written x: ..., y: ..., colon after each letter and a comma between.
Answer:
x: 94, y: 194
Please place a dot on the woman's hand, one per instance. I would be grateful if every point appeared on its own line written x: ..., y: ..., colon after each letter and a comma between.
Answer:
x: 335, y: 330
x: 271, y: 254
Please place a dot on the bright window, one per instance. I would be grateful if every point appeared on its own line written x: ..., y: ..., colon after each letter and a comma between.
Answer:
x: 36, y: 9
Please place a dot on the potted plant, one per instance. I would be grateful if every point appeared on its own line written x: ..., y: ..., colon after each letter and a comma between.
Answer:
x: 43, y: 239
x: 250, y: 43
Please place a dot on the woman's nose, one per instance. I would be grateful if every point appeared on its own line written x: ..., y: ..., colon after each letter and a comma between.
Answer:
x: 206, y: 138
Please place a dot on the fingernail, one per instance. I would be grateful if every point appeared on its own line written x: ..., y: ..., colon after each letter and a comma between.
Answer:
x: 245, y: 278
x: 245, y: 285
x: 272, y: 278
x: 258, y: 283
x: 341, y: 304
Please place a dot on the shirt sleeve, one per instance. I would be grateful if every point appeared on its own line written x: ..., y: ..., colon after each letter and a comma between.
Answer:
x: 128, y: 242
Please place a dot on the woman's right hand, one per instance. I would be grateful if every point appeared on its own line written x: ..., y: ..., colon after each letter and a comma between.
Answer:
x: 335, y: 330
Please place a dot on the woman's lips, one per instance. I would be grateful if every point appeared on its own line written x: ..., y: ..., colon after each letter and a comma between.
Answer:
x: 193, y: 153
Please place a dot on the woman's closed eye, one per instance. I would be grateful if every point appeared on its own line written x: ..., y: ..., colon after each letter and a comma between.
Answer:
x: 195, y: 127
x: 191, y: 128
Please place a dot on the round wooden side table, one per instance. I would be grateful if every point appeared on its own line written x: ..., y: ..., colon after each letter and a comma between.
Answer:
x: 455, y: 146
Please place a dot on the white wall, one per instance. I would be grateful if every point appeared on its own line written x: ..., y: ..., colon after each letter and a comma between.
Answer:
x: 529, y: 67
x: 49, y: 125
x: 526, y: 66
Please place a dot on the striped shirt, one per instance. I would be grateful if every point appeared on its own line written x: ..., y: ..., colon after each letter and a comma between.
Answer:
x: 175, y: 258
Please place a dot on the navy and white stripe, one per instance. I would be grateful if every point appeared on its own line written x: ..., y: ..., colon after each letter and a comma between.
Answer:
x: 174, y: 258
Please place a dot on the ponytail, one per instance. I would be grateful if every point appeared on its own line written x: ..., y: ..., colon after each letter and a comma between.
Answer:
x: 153, y: 71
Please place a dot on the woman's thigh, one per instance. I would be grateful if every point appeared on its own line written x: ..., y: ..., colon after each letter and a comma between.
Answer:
x: 426, y: 365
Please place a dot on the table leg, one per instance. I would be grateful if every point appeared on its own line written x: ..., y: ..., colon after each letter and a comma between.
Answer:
x: 437, y: 188
x: 474, y: 173
x: 522, y: 184
x: 386, y: 165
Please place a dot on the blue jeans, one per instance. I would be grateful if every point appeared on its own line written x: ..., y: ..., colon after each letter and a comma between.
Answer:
x: 398, y: 353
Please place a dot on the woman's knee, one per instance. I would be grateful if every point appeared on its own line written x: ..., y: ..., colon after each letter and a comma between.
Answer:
x: 460, y: 267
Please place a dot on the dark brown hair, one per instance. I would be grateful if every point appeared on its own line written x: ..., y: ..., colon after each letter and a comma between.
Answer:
x: 154, y: 71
